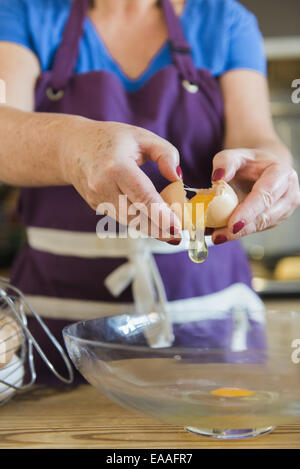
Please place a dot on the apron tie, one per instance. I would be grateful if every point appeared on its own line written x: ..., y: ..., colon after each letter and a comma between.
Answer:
x: 147, y: 287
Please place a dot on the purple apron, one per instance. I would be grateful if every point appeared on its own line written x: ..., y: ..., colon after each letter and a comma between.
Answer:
x: 193, y: 122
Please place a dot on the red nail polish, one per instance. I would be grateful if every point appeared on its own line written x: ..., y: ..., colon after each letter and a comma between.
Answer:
x: 173, y: 230
x: 179, y: 172
x: 209, y: 231
x: 218, y: 174
x: 174, y: 242
x: 220, y: 239
x: 238, y: 227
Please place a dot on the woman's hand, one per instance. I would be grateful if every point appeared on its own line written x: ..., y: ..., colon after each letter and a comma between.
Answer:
x: 102, y: 161
x: 268, y: 191
x: 262, y: 174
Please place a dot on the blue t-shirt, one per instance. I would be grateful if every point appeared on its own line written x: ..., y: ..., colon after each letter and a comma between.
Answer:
x: 223, y: 36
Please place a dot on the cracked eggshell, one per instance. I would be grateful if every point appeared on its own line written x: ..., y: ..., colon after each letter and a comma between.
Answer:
x: 220, y: 209
x: 174, y: 196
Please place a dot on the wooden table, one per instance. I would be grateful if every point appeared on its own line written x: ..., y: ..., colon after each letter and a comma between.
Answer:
x: 83, y: 418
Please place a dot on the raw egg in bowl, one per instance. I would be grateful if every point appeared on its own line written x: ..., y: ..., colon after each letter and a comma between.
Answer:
x: 206, y: 380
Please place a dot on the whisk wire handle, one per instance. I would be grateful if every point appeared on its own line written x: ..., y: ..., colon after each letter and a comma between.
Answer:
x: 20, y: 318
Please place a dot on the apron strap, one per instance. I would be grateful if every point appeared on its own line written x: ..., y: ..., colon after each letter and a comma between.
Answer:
x: 67, y: 53
x: 180, y: 48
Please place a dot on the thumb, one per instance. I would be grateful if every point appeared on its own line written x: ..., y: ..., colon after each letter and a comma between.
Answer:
x: 227, y: 162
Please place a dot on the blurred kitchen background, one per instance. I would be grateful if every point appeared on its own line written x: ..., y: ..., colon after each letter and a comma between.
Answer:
x: 275, y: 254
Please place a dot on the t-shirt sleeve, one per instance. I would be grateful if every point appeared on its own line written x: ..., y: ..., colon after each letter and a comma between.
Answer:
x: 246, y: 46
x: 14, y: 25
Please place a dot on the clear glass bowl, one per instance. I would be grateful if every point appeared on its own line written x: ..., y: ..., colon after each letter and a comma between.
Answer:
x: 227, y: 375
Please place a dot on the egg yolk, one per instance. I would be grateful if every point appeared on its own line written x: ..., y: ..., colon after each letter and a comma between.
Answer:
x: 204, y: 199
x: 232, y: 392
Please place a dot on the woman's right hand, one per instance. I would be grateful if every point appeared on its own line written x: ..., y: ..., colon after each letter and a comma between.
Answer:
x: 102, y: 161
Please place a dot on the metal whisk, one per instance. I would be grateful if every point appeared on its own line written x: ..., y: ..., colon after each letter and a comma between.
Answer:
x: 17, y: 343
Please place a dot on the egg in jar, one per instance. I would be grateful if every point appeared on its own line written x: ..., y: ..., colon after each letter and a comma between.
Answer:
x: 209, y: 208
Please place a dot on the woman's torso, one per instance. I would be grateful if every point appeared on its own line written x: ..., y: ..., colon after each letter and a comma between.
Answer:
x: 97, y: 88
x: 193, y: 123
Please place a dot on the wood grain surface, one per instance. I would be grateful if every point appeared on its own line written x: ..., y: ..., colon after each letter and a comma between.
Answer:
x: 83, y: 418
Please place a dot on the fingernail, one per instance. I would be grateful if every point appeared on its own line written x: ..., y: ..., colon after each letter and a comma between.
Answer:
x: 238, y: 227
x: 174, y: 230
x: 179, y: 172
x: 220, y: 239
x: 174, y: 242
x: 209, y: 231
x: 218, y: 174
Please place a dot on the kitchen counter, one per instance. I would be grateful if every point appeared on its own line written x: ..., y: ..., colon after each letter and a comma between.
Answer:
x: 83, y: 418
x: 283, y: 304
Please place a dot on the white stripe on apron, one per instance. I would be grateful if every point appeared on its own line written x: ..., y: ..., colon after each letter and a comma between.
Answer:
x: 142, y: 272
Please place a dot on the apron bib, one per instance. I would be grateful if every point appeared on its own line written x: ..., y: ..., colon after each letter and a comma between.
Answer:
x: 65, y: 270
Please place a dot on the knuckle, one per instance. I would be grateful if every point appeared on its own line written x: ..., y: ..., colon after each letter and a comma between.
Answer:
x: 94, y: 180
x: 286, y: 215
x: 112, y: 170
x: 145, y: 199
x: 262, y: 222
x: 175, y: 154
x: 294, y: 179
x: 268, y: 198
x: 92, y: 184
x: 95, y: 189
x: 293, y: 175
x: 167, y: 152
x: 278, y: 166
x: 92, y: 202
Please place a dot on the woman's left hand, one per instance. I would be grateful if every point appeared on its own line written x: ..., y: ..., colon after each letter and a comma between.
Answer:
x: 268, y: 191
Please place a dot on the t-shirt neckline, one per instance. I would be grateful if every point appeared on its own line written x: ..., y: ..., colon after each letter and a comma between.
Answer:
x: 155, y: 58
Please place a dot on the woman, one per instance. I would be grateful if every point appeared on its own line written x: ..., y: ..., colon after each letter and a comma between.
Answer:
x: 128, y: 96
